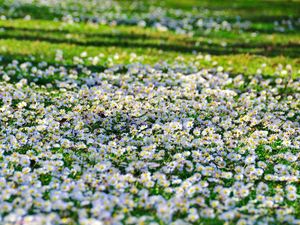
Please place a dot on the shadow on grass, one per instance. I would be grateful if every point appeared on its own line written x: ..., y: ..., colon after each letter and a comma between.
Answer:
x: 255, y: 11
x: 88, y: 34
x: 129, y: 40
x: 38, y: 12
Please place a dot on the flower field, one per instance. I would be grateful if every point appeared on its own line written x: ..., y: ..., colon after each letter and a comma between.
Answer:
x: 149, y: 112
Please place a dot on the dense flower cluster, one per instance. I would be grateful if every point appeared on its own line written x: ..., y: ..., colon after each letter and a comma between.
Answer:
x: 137, y: 13
x: 147, y: 145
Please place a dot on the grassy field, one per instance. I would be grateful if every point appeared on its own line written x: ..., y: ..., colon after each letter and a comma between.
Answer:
x: 242, y: 51
x: 149, y: 112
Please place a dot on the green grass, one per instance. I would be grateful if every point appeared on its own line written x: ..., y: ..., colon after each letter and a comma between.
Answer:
x: 242, y: 54
x: 236, y: 51
x: 249, y: 9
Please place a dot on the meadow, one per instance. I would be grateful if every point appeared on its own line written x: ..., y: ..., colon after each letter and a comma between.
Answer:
x: 149, y: 112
